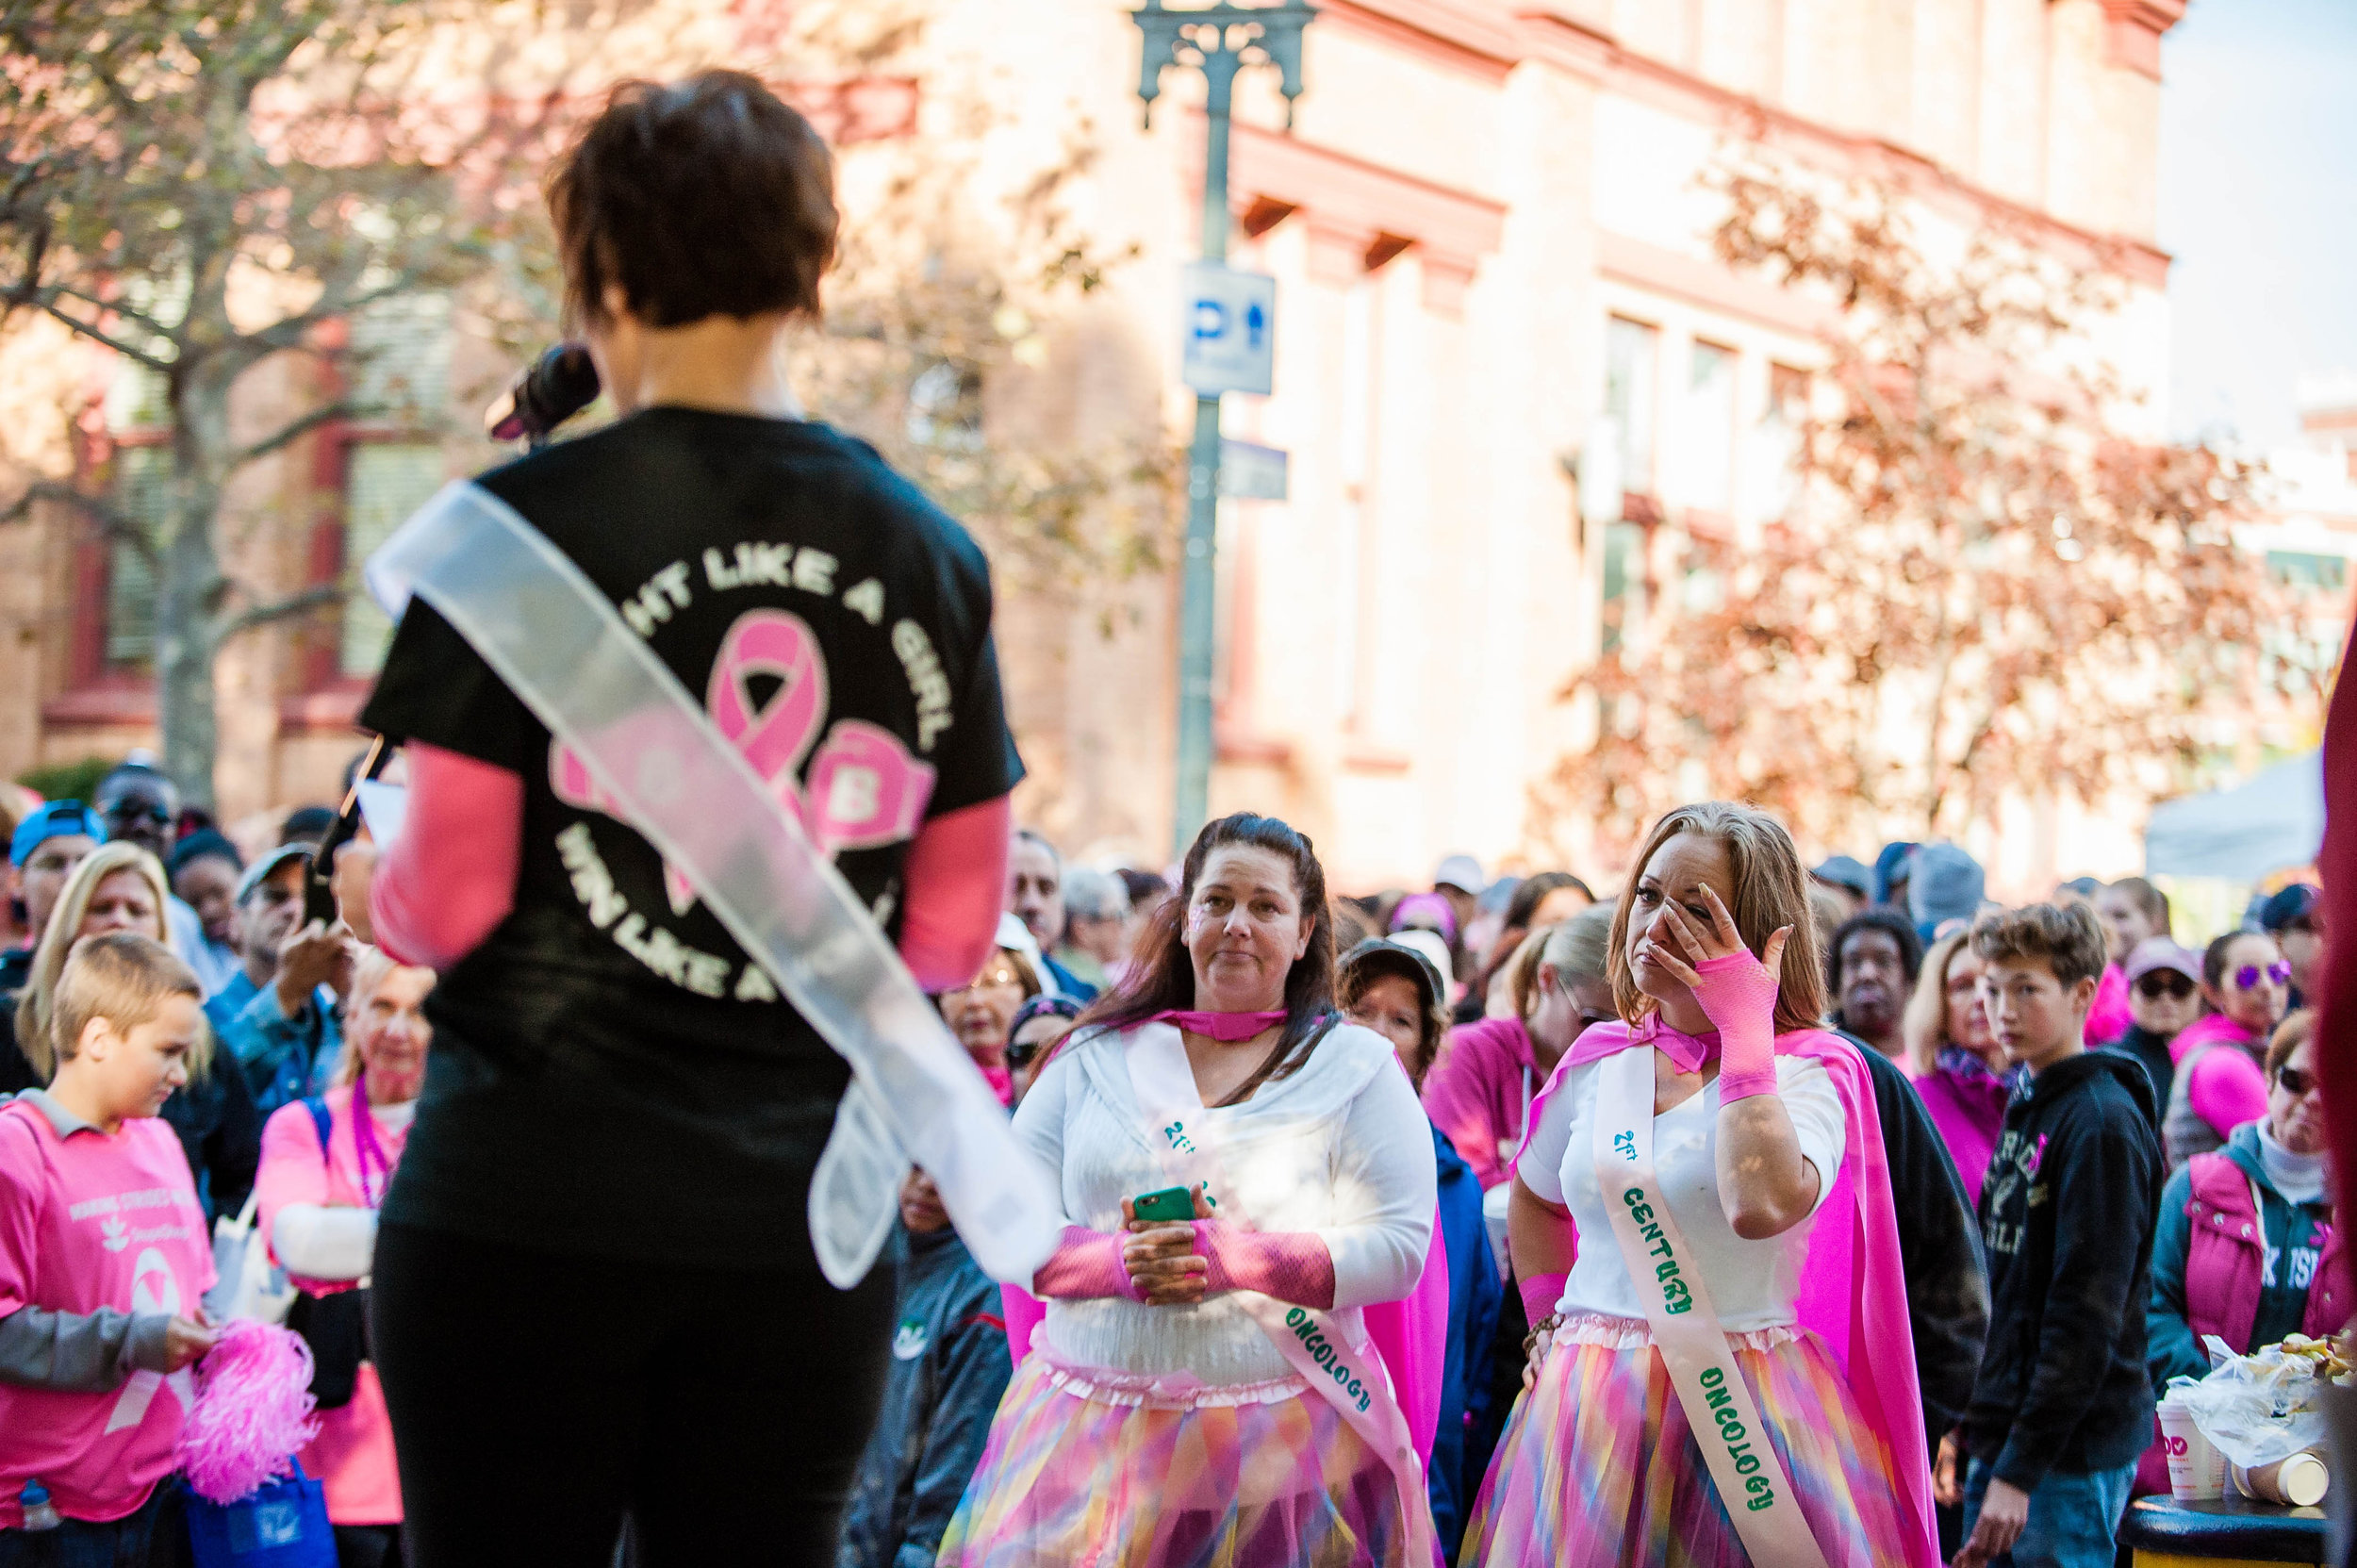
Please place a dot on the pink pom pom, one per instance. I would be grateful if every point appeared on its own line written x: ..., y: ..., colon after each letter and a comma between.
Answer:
x: 253, y: 1411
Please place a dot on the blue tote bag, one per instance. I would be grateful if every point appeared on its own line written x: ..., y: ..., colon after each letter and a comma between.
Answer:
x: 282, y: 1524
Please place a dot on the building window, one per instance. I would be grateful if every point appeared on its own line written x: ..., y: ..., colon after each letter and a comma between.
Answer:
x: 1774, y: 480
x: 397, y: 369
x: 1625, y: 552
x: 2308, y: 571
x: 1629, y: 349
x: 387, y: 481
x: 142, y: 493
x: 1708, y: 436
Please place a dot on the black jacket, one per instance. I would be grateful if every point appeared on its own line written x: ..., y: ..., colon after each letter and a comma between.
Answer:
x: 950, y: 1365
x: 2067, y: 1216
x: 1940, y: 1247
x: 2141, y: 1045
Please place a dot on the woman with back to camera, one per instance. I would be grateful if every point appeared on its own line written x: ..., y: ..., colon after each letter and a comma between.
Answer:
x: 1723, y: 1375
x: 595, y: 1287
x: 1204, y: 1391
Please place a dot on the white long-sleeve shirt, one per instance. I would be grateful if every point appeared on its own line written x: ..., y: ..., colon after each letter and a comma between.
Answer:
x: 1340, y: 1149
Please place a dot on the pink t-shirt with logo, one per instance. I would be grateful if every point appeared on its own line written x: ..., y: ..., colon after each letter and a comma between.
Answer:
x: 91, y: 1221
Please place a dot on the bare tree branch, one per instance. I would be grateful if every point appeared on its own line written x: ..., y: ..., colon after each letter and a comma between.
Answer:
x: 121, y: 346
x: 271, y: 611
x: 294, y: 430
x: 112, y: 521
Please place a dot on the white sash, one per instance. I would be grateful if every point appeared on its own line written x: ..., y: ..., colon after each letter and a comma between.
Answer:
x: 560, y: 645
x: 1350, y: 1377
x: 1751, y: 1479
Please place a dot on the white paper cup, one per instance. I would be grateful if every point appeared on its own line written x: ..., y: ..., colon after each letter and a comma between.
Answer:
x: 2196, y: 1471
x: 2299, y: 1481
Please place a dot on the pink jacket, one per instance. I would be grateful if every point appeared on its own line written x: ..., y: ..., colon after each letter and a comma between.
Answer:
x: 2110, y: 1018
x: 1479, y: 1094
x: 2224, y: 1260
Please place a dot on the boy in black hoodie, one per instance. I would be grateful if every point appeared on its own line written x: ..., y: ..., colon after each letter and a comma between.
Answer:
x: 2062, y: 1407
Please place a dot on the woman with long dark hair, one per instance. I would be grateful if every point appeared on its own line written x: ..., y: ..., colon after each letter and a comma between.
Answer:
x: 1204, y: 1388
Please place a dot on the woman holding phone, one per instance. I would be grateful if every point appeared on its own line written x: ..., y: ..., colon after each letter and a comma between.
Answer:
x: 1247, y: 1180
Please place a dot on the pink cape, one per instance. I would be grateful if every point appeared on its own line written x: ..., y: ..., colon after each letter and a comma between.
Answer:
x: 1410, y: 1335
x: 1855, y: 1297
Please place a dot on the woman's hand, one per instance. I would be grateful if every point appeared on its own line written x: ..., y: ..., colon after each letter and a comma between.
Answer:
x: 1542, y: 1340
x: 1162, y: 1259
x: 188, y: 1340
x: 1734, y: 988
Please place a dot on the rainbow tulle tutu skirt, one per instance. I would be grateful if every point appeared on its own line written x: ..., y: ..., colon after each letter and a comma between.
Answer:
x: 1599, y: 1469
x: 1088, y: 1469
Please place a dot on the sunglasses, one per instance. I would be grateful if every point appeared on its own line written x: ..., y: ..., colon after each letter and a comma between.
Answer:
x: 2153, y: 987
x: 2248, y: 976
x: 2295, y: 1082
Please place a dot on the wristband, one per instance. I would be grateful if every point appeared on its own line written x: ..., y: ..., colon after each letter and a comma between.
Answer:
x: 1540, y: 1295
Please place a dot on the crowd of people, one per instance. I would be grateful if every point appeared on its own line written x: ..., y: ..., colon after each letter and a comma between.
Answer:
x: 1734, y: 1213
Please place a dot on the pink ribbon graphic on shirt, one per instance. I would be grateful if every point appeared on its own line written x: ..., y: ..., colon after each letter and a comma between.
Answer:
x: 864, y: 789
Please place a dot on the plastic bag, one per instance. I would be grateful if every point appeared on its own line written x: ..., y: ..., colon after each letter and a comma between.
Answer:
x: 2256, y: 1409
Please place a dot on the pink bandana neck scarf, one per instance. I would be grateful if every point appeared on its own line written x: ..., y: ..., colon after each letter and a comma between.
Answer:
x: 1226, y: 1027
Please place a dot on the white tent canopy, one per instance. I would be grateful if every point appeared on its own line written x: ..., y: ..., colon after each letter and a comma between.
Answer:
x: 2270, y: 821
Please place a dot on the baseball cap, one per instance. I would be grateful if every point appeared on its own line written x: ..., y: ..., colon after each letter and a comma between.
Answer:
x: 1398, y: 958
x: 2297, y: 902
x: 1462, y: 872
x: 56, y: 819
x: 259, y: 872
x: 2159, y: 953
x: 1425, y: 908
x: 1846, y: 871
x: 1426, y: 945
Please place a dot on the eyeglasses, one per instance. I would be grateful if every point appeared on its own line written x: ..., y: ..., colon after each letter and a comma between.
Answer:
x: 2248, y: 976
x: 2170, y: 984
x: 2295, y: 1082
x: 137, y: 811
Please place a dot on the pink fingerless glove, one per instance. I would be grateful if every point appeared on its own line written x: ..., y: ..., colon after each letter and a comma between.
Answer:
x: 1738, y: 996
x: 1291, y: 1265
x: 1540, y: 1295
x: 1085, y: 1265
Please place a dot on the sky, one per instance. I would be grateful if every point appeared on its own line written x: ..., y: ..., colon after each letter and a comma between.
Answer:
x: 2258, y: 204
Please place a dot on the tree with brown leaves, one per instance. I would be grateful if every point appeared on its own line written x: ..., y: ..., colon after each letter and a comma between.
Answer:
x: 1981, y: 587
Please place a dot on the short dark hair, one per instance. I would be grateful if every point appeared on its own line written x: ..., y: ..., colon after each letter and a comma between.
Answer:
x: 2067, y: 937
x: 703, y: 197
x: 1889, y: 922
x: 2214, y: 956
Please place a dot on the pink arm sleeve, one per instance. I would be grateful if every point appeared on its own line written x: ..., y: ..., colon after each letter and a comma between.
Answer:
x: 1085, y: 1265
x: 450, y: 879
x: 2227, y: 1089
x: 955, y: 885
x: 1291, y: 1265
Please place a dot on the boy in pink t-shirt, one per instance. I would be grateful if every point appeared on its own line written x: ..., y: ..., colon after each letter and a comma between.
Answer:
x: 103, y: 1253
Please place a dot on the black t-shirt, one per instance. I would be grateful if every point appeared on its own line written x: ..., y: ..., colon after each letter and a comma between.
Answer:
x: 610, y: 1074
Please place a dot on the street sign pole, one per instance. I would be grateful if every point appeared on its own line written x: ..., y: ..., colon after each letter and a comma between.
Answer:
x: 1216, y: 40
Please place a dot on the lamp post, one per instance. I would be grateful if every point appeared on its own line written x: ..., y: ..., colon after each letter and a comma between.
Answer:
x: 1218, y: 40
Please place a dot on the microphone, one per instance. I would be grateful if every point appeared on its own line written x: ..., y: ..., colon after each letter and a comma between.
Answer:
x: 560, y: 384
